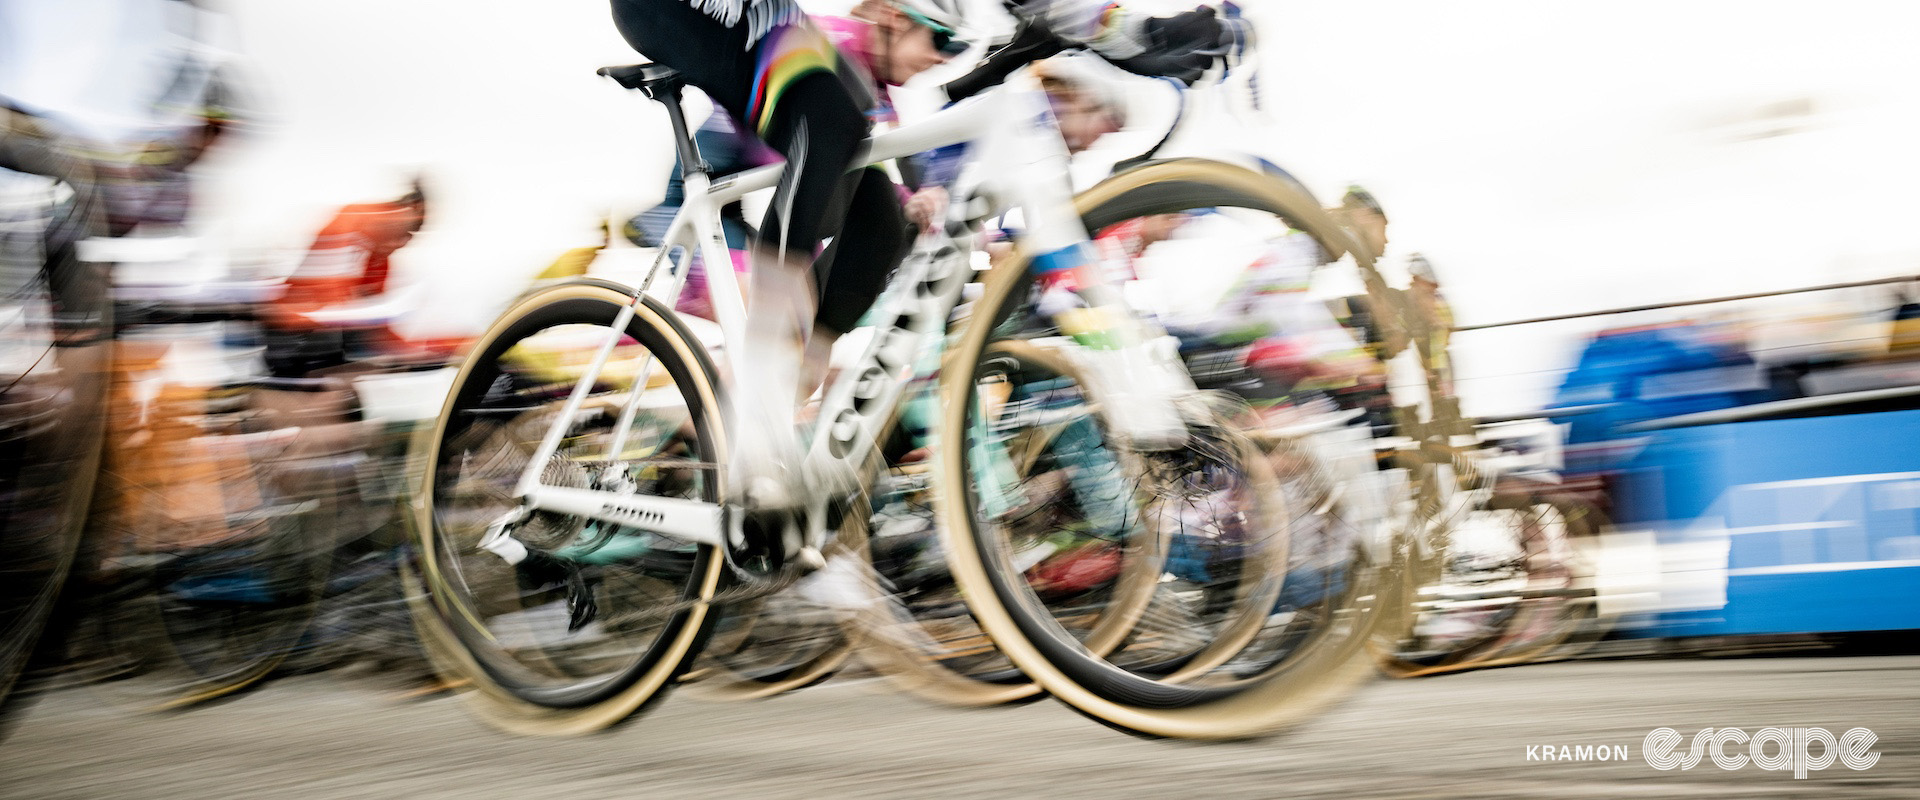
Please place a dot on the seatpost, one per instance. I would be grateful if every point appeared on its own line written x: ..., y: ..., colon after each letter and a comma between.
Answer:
x: 683, y: 146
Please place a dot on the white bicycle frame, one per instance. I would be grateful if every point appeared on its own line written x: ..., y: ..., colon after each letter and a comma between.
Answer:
x: 1018, y: 160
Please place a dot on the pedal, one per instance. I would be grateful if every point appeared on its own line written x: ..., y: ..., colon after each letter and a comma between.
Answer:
x: 582, y: 608
x: 499, y: 539
x: 757, y: 547
x: 844, y: 584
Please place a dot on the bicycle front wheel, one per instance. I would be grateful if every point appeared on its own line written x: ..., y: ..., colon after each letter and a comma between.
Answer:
x: 1214, y: 655
x: 918, y: 631
x: 594, y: 620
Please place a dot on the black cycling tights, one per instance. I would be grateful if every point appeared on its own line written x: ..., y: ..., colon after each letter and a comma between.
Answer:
x: 784, y: 88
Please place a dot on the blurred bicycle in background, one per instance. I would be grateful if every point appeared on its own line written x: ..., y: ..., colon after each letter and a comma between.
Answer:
x: 244, y: 518
x: 54, y: 339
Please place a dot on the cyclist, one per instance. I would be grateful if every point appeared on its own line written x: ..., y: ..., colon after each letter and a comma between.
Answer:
x: 348, y: 262
x: 1415, y: 321
x: 140, y: 100
x: 1432, y: 320
x: 1292, y: 349
x: 779, y: 76
x: 882, y: 47
x: 1360, y: 213
x: 149, y: 182
x: 1086, y: 104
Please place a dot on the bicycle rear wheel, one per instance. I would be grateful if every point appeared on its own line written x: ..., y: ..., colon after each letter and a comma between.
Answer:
x: 596, y: 620
x: 1208, y: 666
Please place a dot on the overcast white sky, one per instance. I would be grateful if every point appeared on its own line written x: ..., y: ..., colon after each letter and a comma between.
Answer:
x: 1548, y: 157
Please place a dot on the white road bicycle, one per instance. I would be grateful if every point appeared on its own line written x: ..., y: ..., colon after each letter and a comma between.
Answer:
x: 576, y: 532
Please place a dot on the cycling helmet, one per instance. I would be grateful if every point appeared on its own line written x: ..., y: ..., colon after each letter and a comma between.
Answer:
x: 943, y: 17
x: 1420, y: 268
x: 944, y: 13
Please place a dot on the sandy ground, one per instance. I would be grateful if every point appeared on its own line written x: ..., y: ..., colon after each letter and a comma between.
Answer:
x: 1455, y: 736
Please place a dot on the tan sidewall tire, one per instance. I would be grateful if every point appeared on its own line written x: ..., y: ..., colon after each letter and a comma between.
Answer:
x: 489, y: 701
x: 927, y: 679
x: 1319, y: 679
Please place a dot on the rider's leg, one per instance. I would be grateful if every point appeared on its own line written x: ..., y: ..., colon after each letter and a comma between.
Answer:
x: 818, y: 127
x: 876, y: 237
x: 783, y: 87
x: 855, y: 266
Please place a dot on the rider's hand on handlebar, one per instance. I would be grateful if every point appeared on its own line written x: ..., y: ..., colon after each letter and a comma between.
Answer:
x: 1183, y: 46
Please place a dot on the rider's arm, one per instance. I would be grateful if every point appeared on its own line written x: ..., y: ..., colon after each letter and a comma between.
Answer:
x: 1107, y: 28
x: 1181, y: 46
x: 1031, y: 42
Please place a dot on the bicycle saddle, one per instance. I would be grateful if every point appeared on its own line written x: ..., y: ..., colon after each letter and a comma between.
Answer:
x: 656, y: 80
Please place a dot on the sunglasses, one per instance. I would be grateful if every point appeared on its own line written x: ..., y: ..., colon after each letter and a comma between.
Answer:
x: 945, y: 39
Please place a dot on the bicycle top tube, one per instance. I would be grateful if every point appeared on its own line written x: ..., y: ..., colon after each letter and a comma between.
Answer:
x: 961, y: 122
